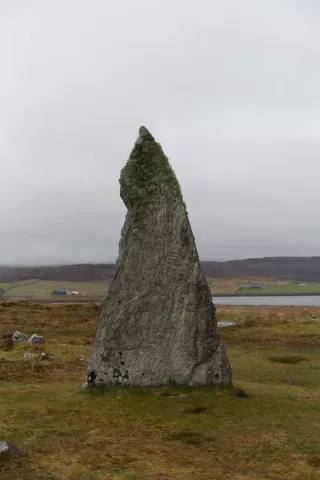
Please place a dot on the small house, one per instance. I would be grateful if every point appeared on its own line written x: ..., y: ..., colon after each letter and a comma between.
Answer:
x: 59, y: 291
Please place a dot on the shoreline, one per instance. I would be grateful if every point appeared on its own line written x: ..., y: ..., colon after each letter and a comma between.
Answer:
x: 234, y: 295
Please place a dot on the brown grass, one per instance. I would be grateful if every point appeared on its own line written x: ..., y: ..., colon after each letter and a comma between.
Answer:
x: 271, y: 432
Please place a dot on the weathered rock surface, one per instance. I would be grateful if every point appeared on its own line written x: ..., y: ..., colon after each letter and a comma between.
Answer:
x: 157, y: 323
x: 19, y: 337
x: 35, y: 338
x: 48, y: 356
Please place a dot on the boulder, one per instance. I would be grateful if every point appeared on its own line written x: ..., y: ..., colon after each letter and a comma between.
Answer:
x: 30, y: 355
x: 157, y: 323
x: 19, y: 337
x: 35, y: 338
x: 48, y: 356
x: 7, y: 450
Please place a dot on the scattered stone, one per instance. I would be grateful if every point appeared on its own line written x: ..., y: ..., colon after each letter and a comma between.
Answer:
x: 47, y: 356
x: 157, y: 322
x: 7, y: 450
x: 182, y: 395
x: 35, y: 338
x: 84, y: 359
x: 30, y: 355
x: 19, y: 337
x: 226, y: 324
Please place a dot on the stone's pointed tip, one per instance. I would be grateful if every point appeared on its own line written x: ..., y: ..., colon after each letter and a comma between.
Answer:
x: 144, y: 131
x: 144, y: 134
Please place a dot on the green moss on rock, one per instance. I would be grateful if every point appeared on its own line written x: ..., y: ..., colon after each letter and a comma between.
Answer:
x: 147, y: 175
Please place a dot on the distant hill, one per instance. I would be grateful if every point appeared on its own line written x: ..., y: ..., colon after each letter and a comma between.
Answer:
x: 68, y: 273
x: 286, y: 268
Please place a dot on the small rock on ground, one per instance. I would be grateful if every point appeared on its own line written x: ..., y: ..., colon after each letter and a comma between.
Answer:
x: 30, y: 355
x: 182, y: 395
x: 7, y: 449
x: 48, y: 356
x: 226, y: 324
x: 35, y: 338
x: 83, y: 359
x: 19, y: 337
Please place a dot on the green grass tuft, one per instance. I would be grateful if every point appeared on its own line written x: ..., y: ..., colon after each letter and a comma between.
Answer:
x: 195, y: 409
x: 311, y: 449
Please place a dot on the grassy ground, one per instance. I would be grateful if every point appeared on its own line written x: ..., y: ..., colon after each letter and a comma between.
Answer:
x: 142, y: 434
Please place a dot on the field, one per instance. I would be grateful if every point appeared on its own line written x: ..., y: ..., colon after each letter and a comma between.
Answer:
x: 272, y: 287
x: 42, y: 289
x: 266, y: 427
x: 294, y: 288
x: 5, y: 286
x: 223, y: 286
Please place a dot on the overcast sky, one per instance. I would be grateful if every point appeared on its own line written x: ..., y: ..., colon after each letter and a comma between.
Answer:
x: 231, y: 89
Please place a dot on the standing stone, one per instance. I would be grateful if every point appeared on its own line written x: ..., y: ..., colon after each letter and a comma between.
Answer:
x: 157, y: 323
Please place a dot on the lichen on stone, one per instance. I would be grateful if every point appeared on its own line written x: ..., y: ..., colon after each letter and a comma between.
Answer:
x: 147, y: 174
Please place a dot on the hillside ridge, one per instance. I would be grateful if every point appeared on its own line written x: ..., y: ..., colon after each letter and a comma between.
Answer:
x: 286, y: 268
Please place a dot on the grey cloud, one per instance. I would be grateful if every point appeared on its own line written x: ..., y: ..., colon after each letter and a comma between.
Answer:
x: 230, y: 89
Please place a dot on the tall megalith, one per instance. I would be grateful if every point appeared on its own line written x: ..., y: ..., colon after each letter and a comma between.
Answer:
x: 157, y: 323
